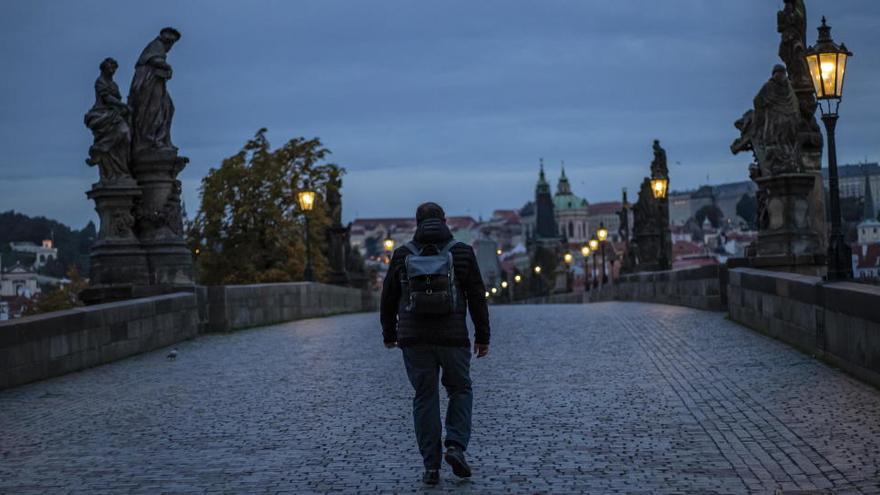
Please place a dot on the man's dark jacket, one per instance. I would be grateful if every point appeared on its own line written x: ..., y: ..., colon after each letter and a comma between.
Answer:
x: 408, y: 329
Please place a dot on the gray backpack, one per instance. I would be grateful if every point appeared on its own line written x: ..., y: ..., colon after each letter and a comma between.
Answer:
x: 430, y: 279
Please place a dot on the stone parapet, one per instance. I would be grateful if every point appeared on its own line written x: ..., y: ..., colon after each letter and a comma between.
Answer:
x: 700, y: 287
x: 38, y: 347
x: 838, y: 322
x: 234, y: 307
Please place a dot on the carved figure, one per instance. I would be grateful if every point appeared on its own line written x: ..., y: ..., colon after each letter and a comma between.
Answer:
x: 776, y: 123
x: 658, y: 164
x: 150, y: 102
x: 791, y: 23
x: 108, y: 121
x: 334, y: 199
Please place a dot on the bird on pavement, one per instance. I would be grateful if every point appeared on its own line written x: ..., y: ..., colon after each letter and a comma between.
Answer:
x: 172, y: 355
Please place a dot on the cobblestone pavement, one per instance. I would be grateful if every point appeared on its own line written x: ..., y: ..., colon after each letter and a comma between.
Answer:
x: 601, y: 398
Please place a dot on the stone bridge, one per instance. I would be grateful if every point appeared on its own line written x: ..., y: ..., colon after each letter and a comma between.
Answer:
x: 610, y: 397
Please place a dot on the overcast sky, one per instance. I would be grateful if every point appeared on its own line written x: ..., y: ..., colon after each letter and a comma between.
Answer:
x: 451, y: 101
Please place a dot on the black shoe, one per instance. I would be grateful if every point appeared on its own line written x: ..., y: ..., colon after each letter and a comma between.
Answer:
x: 455, y: 458
x: 431, y: 477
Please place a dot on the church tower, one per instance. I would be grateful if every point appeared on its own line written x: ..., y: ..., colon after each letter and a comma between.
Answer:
x: 545, y: 220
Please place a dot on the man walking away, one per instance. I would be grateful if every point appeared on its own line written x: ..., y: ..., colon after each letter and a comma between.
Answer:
x: 432, y: 283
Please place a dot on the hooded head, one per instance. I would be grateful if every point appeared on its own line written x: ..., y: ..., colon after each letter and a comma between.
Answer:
x: 431, y: 220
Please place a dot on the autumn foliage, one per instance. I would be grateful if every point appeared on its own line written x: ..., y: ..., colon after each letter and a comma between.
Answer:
x: 249, y: 228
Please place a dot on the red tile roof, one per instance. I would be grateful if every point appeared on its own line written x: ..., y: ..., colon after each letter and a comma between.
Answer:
x: 606, y: 208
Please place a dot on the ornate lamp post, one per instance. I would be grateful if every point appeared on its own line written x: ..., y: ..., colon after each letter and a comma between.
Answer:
x: 827, y: 62
x: 585, y: 252
x: 594, y: 246
x: 388, y: 245
x: 306, y: 199
x: 602, y: 234
x: 660, y: 190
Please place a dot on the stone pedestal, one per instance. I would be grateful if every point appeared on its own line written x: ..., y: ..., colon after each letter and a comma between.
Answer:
x: 788, y: 239
x: 337, y: 238
x: 159, y: 218
x: 118, y: 262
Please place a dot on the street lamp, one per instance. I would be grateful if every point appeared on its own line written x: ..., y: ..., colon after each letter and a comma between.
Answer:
x: 517, y: 278
x: 659, y: 187
x: 594, y: 246
x: 306, y: 200
x: 388, y: 244
x: 827, y: 62
x: 568, y: 258
x: 602, y: 234
x: 504, y: 284
x: 585, y: 252
x: 538, y: 269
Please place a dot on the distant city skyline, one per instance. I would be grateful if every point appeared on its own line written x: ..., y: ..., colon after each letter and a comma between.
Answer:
x: 461, y: 98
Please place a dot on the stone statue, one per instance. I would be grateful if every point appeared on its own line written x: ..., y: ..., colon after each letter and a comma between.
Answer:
x: 791, y: 23
x: 108, y: 121
x: 150, y: 102
x: 658, y: 165
x: 334, y: 198
x: 776, y: 122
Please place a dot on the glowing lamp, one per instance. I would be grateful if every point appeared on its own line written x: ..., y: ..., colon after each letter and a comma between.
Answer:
x: 538, y: 269
x: 306, y: 200
x: 602, y: 233
x: 504, y: 284
x: 827, y: 62
x: 568, y: 258
x: 388, y: 244
x: 659, y: 187
x: 517, y: 278
x: 594, y: 244
x: 585, y: 251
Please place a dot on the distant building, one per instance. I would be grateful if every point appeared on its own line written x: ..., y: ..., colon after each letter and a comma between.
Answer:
x: 571, y: 212
x: 18, y: 281
x: 683, y: 205
x: 43, y: 253
x: 608, y: 214
x: 505, y: 228
x: 369, y: 234
x: 851, y: 180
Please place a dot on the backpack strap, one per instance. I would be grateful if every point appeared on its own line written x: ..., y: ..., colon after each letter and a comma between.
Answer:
x: 448, y: 247
x: 413, y: 248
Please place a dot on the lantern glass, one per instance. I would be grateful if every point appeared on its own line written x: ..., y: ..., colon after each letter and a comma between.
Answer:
x: 585, y: 251
x: 537, y: 269
x: 306, y: 200
x: 389, y: 244
x: 594, y: 244
x: 517, y: 278
x: 602, y: 233
x: 504, y: 284
x: 568, y: 258
x: 659, y: 187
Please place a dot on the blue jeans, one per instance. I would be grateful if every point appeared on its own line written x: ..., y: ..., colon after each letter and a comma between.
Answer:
x: 423, y: 365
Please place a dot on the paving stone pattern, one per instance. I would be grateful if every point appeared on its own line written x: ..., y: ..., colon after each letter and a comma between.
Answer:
x: 599, y: 398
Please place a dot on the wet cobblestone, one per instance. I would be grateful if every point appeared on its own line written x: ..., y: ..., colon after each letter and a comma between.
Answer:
x: 600, y: 398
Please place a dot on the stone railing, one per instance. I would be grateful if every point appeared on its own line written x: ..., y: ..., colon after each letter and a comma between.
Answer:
x: 38, y: 347
x: 700, y: 287
x: 838, y: 322
x: 233, y: 307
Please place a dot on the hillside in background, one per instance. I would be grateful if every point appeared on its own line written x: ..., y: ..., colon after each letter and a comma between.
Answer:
x: 73, y: 245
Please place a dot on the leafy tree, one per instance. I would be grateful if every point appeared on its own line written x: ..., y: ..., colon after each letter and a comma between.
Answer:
x: 747, y: 209
x: 712, y: 212
x: 249, y: 227
x: 65, y: 297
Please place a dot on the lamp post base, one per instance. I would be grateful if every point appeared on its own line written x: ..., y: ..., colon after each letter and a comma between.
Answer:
x: 839, y: 259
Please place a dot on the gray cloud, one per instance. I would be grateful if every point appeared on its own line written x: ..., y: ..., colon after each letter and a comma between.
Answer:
x: 461, y: 96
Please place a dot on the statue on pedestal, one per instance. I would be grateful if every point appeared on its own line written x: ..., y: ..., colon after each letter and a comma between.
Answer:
x: 149, y: 99
x: 108, y: 121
